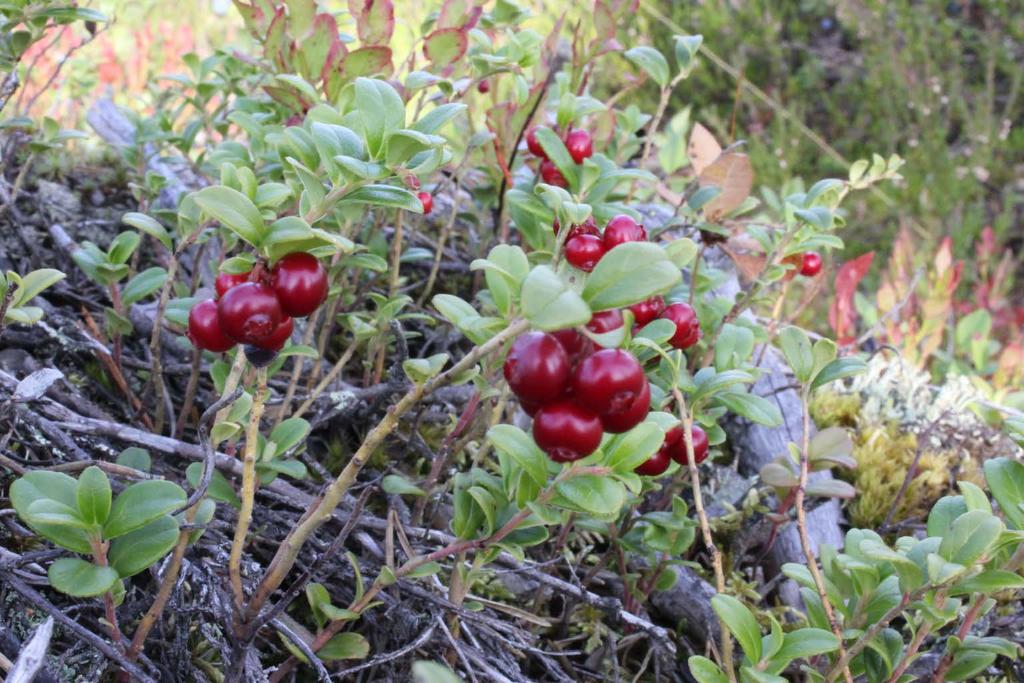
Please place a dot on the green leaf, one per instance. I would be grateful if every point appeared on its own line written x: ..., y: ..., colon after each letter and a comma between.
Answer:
x: 974, y: 497
x: 681, y: 251
x: 753, y: 407
x: 558, y: 154
x: 421, y: 370
x: 840, y: 368
x: 122, y: 247
x: 433, y: 120
x: 34, y: 283
x: 432, y: 672
x: 380, y: 110
x: 686, y: 48
x: 56, y: 486
x: 148, y: 225
x: 47, y: 511
x: 344, y: 646
x: 549, y: 303
x: 94, y: 495
x: 445, y: 46
x: 399, y: 485
x: 945, y: 510
x: 140, y: 504
x: 625, y: 452
x: 1005, y: 479
x: 741, y: 623
x: 592, y: 494
x: 988, y: 582
x: 628, y: 274
x: 796, y: 347
x: 136, y: 458
x: 144, y: 284
x: 233, y: 210
x: 803, y: 643
x: 78, y: 578
x: 651, y: 61
x: 705, y: 671
x: 288, y: 434
x: 970, y: 536
x: 384, y: 195
x: 517, y: 445
x: 142, y: 548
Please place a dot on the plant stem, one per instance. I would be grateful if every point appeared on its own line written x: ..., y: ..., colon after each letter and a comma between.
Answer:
x: 327, y: 379
x: 99, y: 553
x: 190, y: 393
x: 230, y: 384
x: 293, y: 382
x: 248, y: 496
x: 965, y: 627
x: 705, y: 529
x: 908, y: 656
x: 288, y: 551
x: 805, y: 541
x: 442, y: 239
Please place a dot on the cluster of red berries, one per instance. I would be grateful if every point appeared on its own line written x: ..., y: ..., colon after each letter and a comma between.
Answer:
x: 586, y: 245
x: 257, y: 308
x: 579, y: 145
x: 680, y: 314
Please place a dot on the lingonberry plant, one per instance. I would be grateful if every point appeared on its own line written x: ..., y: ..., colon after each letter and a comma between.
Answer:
x: 625, y: 343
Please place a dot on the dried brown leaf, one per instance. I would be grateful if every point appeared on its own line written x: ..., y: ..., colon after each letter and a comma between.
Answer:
x: 734, y: 175
x: 703, y: 149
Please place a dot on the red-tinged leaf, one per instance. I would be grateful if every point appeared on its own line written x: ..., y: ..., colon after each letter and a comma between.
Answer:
x: 445, y: 46
x: 462, y: 14
x: 289, y: 97
x: 301, y: 15
x: 331, y: 74
x: 371, y: 60
x: 253, y: 17
x: 604, y: 21
x: 314, y: 50
x: 375, y: 20
x: 275, y: 45
x: 842, y: 315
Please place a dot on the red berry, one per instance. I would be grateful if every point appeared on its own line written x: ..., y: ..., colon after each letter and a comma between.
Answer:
x: 587, y: 227
x: 687, y: 326
x: 584, y: 251
x: 580, y: 145
x: 574, y: 343
x: 300, y: 282
x: 605, y: 321
x: 655, y: 465
x: 483, y: 86
x: 533, y: 144
x: 529, y: 407
x: 609, y: 381
x: 226, y: 281
x: 278, y: 337
x: 204, y: 330
x: 675, y: 445
x: 810, y: 264
x: 537, y: 368
x: 647, y: 310
x: 249, y: 312
x: 624, y: 420
x: 622, y: 229
x: 427, y: 200
x: 566, y: 431
x: 550, y: 174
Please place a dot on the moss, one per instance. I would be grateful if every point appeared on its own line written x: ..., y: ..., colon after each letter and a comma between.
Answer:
x: 832, y: 409
x: 884, y: 454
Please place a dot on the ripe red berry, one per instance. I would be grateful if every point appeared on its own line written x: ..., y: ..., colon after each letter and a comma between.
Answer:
x: 584, y: 251
x: 204, y: 330
x: 550, y: 174
x: 811, y: 264
x: 533, y: 144
x: 655, y: 465
x: 587, y: 227
x: 623, y: 420
x: 483, y: 86
x: 609, y: 381
x: 427, y: 200
x: 574, y: 343
x: 687, y: 326
x: 675, y: 445
x: 566, y: 431
x: 300, y: 282
x: 605, y: 321
x: 249, y: 312
x: 647, y: 310
x: 579, y: 144
x: 537, y: 368
x: 622, y: 229
x: 226, y: 281
x: 278, y: 337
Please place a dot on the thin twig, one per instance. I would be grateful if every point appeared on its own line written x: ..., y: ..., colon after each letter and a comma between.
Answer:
x: 248, y: 493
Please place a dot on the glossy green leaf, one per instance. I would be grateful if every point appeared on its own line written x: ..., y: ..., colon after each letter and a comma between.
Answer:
x: 741, y: 623
x: 628, y: 274
x: 94, y: 495
x: 78, y: 578
x: 140, y: 504
x: 651, y: 61
x: 233, y: 210
x: 549, y: 303
x: 144, y: 547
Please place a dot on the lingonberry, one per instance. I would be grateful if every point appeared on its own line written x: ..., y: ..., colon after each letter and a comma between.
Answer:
x: 226, y: 281
x: 675, y: 445
x: 483, y: 86
x: 605, y: 321
x: 566, y: 431
x: 278, y: 337
x: 647, y: 310
x: 579, y: 144
x: 587, y: 227
x: 609, y: 381
x: 584, y: 251
x: 623, y: 420
x: 204, y: 330
x: 654, y: 465
x: 687, y: 326
x: 574, y: 343
x: 622, y: 229
x: 533, y: 144
x: 550, y: 174
x: 427, y: 200
x: 810, y: 264
x: 537, y: 368
x: 300, y: 282
x: 249, y: 312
